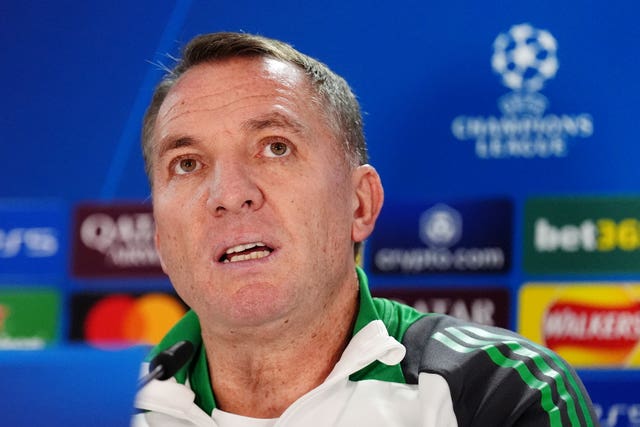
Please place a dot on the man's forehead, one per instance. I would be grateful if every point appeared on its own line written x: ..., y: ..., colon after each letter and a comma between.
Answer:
x: 247, y: 69
x: 210, y: 82
x: 273, y: 93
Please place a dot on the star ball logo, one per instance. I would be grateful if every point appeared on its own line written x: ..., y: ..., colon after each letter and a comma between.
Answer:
x: 526, y: 58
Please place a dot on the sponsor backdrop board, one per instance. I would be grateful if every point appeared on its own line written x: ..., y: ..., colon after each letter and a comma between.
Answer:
x: 589, y: 324
x: 123, y: 318
x: 465, y: 237
x: 505, y: 134
x: 114, y: 240
x: 33, y: 239
x: 615, y: 396
x: 487, y: 306
x: 582, y: 235
x: 29, y: 317
x: 79, y: 385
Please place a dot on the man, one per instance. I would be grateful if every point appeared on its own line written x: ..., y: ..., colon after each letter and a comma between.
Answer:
x: 262, y: 196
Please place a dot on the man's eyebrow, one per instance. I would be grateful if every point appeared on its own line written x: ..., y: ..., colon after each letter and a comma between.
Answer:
x: 169, y: 144
x: 273, y: 120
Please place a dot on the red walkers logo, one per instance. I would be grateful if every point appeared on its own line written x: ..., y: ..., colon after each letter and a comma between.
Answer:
x: 589, y: 326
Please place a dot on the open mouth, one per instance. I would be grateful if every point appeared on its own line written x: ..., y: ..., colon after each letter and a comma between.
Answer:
x: 246, y: 252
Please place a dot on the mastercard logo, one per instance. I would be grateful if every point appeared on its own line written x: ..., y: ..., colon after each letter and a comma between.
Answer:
x: 129, y: 319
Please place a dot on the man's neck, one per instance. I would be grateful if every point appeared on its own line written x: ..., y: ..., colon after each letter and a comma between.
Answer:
x: 262, y: 374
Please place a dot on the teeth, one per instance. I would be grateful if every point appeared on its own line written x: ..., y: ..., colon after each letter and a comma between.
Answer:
x: 252, y: 255
x: 241, y: 248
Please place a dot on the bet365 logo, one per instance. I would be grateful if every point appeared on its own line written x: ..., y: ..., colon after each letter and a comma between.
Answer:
x: 582, y: 235
x: 603, y: 235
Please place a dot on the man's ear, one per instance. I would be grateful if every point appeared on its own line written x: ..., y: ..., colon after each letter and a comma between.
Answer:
x: 368, y: 199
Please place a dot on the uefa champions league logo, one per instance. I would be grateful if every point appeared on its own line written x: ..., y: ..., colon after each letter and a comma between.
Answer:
x: 526, y: 58
x: 440, y: 226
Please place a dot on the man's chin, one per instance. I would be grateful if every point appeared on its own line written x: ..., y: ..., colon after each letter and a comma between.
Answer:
x: 259, y: 305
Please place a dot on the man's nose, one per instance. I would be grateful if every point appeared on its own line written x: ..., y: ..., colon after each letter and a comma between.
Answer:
x: 233, y: 189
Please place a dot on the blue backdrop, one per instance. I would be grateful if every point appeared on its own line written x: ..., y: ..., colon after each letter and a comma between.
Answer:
x: 466, y: 104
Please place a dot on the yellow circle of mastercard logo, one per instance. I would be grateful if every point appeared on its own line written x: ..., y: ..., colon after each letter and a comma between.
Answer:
x: 128, y: 319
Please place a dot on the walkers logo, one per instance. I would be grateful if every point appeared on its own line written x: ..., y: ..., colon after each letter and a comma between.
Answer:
x: 487, y: 306
x: 114, y: 240
x: 590, y: 325
x: 460, y: 237
x: 124, y: 318
x: 525, y: 58
x: 31, y: 238
x: 28, y: 317
x: 582, y: 235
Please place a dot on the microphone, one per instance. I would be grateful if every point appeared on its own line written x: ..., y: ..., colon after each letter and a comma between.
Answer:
x: 168, y: 362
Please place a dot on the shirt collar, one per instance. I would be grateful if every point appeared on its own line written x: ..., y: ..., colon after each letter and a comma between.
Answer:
x: 197, y: 371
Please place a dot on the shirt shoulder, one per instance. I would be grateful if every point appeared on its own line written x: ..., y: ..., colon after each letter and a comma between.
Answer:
x: 496, y: 377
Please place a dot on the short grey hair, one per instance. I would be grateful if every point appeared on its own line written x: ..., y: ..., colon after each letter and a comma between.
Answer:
x: 335, y: 95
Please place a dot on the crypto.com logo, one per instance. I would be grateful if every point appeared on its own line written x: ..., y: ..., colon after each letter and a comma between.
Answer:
x: 526, y: 58
x: 440, y: 226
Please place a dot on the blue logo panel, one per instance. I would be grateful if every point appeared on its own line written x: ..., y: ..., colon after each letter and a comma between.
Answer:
x: 526, y: 58
x: 33, y: 239
x: 466, y: 237
x: 615, y: 396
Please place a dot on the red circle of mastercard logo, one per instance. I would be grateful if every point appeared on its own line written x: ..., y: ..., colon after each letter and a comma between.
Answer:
x: 129, y: 319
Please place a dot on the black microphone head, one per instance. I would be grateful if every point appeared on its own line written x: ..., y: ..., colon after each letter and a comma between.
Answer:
x: 172, y: 359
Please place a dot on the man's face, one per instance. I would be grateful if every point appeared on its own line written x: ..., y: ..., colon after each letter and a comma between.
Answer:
x: 253, y: 198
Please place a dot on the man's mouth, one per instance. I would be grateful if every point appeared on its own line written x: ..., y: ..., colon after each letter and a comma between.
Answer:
x: 245, y: 252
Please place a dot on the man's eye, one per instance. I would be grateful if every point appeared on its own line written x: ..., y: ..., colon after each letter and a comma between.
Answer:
x: 186, y: 165
x: 277, y: 149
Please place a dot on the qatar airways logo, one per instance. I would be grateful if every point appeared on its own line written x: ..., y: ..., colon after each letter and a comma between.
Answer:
x: 126, y: 240
x: 525, y: 58
x: 114, y: 240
